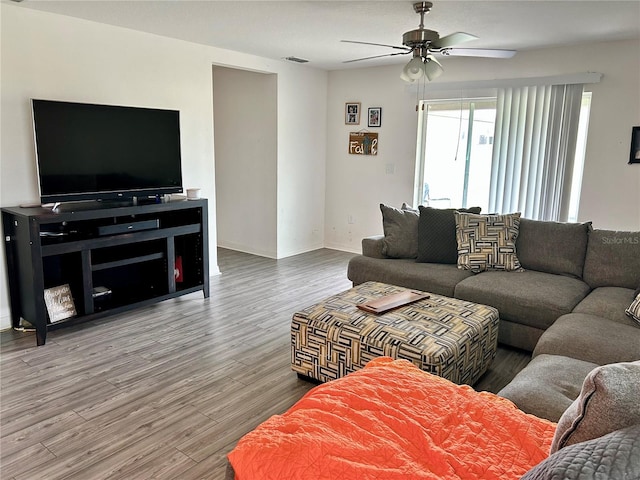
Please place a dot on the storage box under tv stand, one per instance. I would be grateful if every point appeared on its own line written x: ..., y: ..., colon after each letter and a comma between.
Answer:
x: 163, y: 255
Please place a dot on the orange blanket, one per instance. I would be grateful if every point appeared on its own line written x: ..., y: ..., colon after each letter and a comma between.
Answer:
x: 392, y: 421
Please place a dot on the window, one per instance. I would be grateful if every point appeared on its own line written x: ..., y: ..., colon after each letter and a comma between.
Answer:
x: 460, y: 165
x: 578, y: 166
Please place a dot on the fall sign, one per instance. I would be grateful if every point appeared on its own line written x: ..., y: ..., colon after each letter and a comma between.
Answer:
x: 363, y: 143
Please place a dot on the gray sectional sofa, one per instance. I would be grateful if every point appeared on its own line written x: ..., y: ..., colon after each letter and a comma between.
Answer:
x: 567, y: 306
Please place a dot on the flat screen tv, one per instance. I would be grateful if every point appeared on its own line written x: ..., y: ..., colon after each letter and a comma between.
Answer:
x: 105, y: 152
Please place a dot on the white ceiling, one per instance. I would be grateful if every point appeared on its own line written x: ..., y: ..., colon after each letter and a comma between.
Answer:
x: 313, y: 29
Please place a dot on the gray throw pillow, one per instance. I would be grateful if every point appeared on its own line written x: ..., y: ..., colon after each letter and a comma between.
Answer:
x: 615, y: 456
x: 400, y: 232
x: 607, y: 402
x: 437, y: 234
x: 405, y: 206
x: 553, y: 247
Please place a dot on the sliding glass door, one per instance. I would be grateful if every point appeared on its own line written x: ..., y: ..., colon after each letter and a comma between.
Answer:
x: 455, y: 156
x: 455, y: 148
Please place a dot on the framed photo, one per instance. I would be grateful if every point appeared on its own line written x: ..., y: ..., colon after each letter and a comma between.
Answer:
x: 634, y: 155
x: 375, y: 117
x: 352, y: 113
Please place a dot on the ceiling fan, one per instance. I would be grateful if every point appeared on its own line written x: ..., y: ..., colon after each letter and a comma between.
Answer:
x: 424, y: 44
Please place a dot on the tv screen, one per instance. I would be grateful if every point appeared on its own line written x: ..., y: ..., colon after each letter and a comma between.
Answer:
x: 87, y: 151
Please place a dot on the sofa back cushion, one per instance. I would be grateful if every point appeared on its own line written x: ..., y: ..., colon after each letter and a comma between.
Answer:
x: 553, y: 247
x: 613, y: 259
x: 437, y: 234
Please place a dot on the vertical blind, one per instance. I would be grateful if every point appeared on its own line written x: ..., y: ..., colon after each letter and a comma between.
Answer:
x: 534, y: 149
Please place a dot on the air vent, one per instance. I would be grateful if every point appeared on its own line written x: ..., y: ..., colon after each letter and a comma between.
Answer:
x: 296, y: 60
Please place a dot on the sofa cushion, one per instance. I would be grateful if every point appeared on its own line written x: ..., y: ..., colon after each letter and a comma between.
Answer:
x: 613, y: 457
x: 613, y: 259
x: 487, y: 242
x: 591, y: 338
x: 634, y: 309
x: 608, y: 401
x: 531, y: 298
x: 553, y: 247
x: 430, y: 277
x: 400, y: 232
x: 437, y: 234
x: 547, y: 385
x: 607, y: 302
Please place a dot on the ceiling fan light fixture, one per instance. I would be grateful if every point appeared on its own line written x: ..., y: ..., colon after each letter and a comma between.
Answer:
x: 432, y: 68
x: 414, y: 69
x: 405, y: 77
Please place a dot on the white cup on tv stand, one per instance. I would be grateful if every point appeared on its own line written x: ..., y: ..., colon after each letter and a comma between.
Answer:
x: 193, y: 193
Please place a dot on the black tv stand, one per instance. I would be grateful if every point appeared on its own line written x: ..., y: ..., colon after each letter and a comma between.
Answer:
x: 46, y: 249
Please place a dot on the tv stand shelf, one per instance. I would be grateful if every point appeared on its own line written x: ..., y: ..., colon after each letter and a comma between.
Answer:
x: 46, y: 249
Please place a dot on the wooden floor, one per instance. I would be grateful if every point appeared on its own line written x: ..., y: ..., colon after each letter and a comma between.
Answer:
x: 166, y: 391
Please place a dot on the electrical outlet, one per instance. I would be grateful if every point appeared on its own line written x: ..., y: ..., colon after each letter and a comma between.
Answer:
x: 350, y: 220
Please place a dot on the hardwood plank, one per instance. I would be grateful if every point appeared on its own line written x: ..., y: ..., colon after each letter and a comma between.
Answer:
x: 166, y: 391
x: 31, y: 456
x: 28, y: 437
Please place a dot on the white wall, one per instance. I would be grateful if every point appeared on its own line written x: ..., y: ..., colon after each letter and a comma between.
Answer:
x: 270, y: 182
x: 245, y: 133
x: 357, y: 184
x: 51, y: 56
x: 302, y: 137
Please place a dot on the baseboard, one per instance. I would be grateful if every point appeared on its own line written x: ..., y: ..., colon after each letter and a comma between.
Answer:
x: 5, y: 319
x: 344, y: 248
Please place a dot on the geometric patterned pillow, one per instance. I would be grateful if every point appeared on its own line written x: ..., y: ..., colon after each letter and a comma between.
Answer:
x: 634, y: 309
x: 487, y: 242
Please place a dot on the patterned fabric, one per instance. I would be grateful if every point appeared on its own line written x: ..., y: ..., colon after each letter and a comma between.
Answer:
x: 487, y: 242
x: 634, y: 309
x: 451, y: 338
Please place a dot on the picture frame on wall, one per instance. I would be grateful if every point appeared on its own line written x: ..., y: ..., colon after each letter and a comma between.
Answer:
x: 374, y: 116
x: 634, y: 155
x: 352, y: 113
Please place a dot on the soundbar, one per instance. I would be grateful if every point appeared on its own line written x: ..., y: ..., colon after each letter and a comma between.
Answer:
x: 128, y: 227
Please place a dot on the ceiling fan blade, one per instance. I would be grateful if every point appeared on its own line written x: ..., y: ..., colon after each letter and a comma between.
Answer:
x: 453, y: 39
x: 376, y: 56
x: 377, y: 44
x: 477, y: 52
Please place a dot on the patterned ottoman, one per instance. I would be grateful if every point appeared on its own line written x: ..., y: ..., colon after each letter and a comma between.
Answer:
x: 451, y: 338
